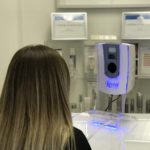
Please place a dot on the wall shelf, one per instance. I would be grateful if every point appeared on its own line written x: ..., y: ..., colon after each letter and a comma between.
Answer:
x: 142, y: 76
x: 102, y: 3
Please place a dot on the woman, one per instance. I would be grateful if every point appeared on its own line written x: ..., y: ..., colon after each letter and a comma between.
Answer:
x: 34, y: 110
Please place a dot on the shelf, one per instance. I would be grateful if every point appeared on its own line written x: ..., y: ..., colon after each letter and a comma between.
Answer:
x: 102, y: 4
x: 93, y: 78
x: 94, y: 42
x: 142, y: 76
x: 135, y: 39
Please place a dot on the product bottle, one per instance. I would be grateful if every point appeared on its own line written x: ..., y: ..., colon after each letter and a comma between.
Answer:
x: 139, y: 99
x: 72, y: 62
x: 81, y: 104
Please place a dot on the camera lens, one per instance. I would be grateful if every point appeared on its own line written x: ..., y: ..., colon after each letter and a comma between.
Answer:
x: 112, y: 67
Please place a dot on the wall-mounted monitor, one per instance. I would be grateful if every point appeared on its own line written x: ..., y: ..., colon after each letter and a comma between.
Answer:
x: 69, y: 26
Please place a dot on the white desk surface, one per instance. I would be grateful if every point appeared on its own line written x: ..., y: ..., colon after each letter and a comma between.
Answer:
x: 133, y: 135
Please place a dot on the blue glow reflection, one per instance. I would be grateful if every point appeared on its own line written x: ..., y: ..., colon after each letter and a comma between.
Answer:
x: 109, y: 126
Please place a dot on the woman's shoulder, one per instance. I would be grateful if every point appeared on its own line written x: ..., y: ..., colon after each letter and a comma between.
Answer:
x: 77, y: 131
x: 81, y: 140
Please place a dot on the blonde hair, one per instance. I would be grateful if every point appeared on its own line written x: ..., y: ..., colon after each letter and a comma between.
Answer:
x: 34, y: 110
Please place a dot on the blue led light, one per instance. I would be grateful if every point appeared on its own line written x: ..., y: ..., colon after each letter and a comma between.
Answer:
x: 120, y: 115
x: 112, y: 84
x: 97, y: 123
x: 111, y: 127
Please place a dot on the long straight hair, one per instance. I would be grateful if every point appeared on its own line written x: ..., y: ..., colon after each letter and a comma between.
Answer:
x: 34, y: 110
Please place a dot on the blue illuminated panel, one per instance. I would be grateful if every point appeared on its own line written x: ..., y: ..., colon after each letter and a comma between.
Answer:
x: 112, y: 84
x: 112, y: 126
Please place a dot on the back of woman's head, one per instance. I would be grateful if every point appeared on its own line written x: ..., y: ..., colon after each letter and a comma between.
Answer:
x: 34, y: 111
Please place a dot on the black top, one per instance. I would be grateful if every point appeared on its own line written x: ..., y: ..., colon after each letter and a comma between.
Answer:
x: 81, y: 141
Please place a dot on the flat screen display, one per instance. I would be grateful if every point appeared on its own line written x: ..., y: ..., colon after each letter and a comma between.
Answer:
x: 112, y: 53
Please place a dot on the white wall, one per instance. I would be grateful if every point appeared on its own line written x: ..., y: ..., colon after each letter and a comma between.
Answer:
x: 22, y: 22
x: 9, y: 34
x: 36, y: 20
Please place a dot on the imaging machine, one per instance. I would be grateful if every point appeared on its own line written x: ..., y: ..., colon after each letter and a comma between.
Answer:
x: 116, y: 69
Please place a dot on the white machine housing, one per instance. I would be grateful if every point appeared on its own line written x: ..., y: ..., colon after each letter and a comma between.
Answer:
x: 116, y: 68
